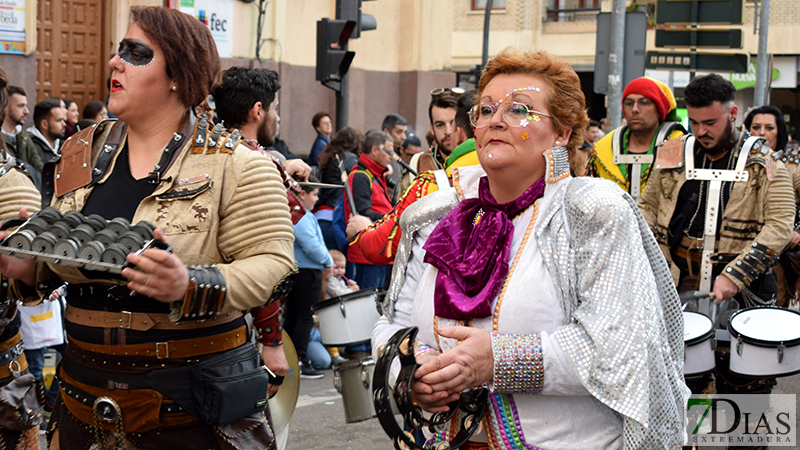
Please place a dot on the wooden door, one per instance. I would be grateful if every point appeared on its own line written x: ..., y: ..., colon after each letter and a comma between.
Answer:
x: 71, y: 61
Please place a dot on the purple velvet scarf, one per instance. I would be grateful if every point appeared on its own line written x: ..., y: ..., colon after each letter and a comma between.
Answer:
x: 470, y: 247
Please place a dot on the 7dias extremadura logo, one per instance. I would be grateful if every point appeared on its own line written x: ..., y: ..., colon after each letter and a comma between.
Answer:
x: 742, y: 420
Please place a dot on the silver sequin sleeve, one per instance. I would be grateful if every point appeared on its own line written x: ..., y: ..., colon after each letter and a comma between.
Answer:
x: 624, y: 328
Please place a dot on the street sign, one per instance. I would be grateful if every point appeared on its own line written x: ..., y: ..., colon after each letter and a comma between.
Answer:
x: 633, y: 59
x: 712, y: 62
x: 693, y: 38
x: 728, y: 12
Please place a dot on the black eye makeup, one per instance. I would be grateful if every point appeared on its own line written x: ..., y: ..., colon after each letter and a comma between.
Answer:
x: 135, y: 53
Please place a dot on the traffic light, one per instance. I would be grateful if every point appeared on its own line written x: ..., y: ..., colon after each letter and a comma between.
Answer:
x: 333, y: 59
x: 351, y: 10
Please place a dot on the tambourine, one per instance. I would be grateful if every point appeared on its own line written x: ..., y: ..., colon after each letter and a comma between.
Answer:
x: 470, y: 406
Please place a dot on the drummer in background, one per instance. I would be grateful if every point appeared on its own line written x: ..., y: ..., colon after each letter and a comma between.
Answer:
x: 756, y: 222
x: 767, y: 121
x: 312, y: 258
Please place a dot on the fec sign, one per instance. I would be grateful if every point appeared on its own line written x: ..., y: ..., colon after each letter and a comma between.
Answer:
x: 218, y: 16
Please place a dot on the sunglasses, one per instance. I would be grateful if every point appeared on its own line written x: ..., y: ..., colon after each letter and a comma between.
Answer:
x: 438, y: 92
x: 136, y: 53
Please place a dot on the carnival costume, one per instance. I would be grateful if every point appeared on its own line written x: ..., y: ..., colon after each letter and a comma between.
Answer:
x: 378, y: 242
x: 787, y: 273
x: 18, y: 426
x: 224, y: 211
x: 612, y: 160
x: 753, y: 226
x: 561, y: 380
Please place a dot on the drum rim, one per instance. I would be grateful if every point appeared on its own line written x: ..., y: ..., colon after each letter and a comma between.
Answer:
x: 352, y: 363
x: 347, y: 297
x: 770, y: 375
x: 347, y: 344
x: 760, y: 342
x: 703, y: 337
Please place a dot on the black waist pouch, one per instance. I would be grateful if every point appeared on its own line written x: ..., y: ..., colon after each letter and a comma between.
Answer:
x: 220, y: 389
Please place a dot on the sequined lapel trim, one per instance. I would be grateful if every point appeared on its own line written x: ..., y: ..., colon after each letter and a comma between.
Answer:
x: 557, y: 164
x: 457, y: 184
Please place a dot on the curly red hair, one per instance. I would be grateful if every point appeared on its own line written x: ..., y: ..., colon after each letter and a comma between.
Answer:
x: 565, y: 100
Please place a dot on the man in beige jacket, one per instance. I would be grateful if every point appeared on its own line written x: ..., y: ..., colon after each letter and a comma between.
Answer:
x: 752, y: 205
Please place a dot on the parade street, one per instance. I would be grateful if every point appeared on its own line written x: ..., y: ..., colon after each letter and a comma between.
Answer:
x: 319, y: 420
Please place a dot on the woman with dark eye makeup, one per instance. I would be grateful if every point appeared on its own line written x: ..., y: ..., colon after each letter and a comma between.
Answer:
x: 767, y: 121
x: 162, y: 356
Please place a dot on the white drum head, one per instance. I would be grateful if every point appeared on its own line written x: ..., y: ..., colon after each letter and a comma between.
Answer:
x: 767, y: 324
x: 695, y: 325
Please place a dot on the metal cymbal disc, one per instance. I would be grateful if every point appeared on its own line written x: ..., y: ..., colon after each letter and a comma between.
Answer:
x: 66, y: 247
x: 282, y: 405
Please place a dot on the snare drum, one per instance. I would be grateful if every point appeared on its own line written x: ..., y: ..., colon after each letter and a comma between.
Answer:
x: 354, y: 380
x: 698, y: 344
x: 765, y: 342
x: 348, y: 319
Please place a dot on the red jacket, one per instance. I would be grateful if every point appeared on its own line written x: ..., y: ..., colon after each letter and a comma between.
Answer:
x: 370, y: 195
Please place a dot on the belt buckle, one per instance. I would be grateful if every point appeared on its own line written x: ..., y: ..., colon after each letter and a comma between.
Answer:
x: 125, y: 316
x: 158, y: 350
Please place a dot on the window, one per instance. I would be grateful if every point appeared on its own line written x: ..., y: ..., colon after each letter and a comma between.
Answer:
x: 481, y: 4
x: 572, y: 10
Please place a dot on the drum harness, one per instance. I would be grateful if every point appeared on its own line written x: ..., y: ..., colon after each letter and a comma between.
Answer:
x: 637, y: 160
x: 715, y: 178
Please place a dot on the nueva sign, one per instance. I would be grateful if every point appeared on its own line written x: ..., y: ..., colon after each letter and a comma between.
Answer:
x: 747, y: 80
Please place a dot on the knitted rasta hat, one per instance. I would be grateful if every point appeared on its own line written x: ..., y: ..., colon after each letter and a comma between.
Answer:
x: 656, y: 91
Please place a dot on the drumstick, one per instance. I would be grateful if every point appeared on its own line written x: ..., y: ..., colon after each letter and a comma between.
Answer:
x: 349, y: 193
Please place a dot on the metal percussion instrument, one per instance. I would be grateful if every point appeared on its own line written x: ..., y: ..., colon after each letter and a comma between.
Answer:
x: 70, y: 239
x: 469, y: 407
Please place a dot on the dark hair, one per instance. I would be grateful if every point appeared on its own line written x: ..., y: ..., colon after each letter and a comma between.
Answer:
x: 85, y: 123
x: 56, y: 100
x: 347, y: 139
x: 411, y: 141
x: 318, y: 118
x: 3, y: 101
x: 705, y: 90
x: 15, y: 90
x: 445, y: 101
x: 43, y: 111
x: 783, y: 133
x: 189, y: 50
x: 392, y: 120
x: 593, y: 123
x: 240, y: 89
x: 464, y: 104
x: 68, y: 102
x: 92, y: 109
x: 374, y: 138
x: 310, y: 189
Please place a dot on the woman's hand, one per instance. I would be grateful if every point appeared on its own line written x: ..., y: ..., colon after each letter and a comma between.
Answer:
x: 158, y: 274
x: 468, y: 364
x: 423, y: 394
x: 23, y: 270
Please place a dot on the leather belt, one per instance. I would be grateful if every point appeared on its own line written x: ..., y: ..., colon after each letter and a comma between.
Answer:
x: 184, y: 348
x: 139, y: 321
x: 89, y: 399
x: 12, y: 359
